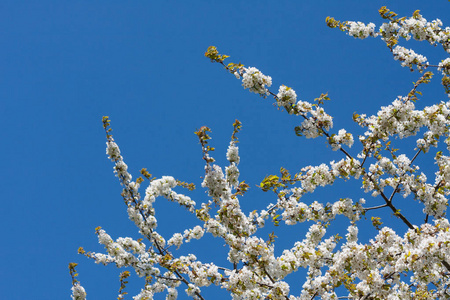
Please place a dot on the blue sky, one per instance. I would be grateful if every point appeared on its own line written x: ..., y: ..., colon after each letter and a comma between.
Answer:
x: 65, y: 64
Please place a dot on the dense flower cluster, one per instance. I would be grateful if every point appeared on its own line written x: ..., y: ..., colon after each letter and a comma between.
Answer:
x: 422, y: 30
x: 360, y: 30
x: 444, y: 66
x: 389, y: 30
x: 341, y: 138
x: 416, y: 27
x: 379, y: 265
x: 233, y: 153
x: 256, y: 81
x: 409, y: 58
x: 78, y: 292
x: 232, y: 171
x: 120, y: 167
x: 216, y: 183
x: 286, y: 96
x: 314, y: 126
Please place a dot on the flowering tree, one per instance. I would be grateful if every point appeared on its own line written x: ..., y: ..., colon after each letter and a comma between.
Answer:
x: 388, y: 266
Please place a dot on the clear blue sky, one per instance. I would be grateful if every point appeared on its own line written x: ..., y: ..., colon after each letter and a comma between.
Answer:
x: 65, y: 64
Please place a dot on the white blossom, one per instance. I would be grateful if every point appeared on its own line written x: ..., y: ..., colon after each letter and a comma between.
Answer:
x: 360, y: 30
x: 286, y: 96
x: 409, y: 58
x: 78, y: 292
x: 233, y: 153
x: 255, y: 81
x: 444, y: 66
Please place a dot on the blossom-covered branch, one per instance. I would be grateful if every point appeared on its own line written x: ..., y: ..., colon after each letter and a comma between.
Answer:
x: 387, y: 266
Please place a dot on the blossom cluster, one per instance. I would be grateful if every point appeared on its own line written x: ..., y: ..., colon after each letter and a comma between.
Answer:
x: 409, y: 58
x: 232, y: 171
x: 419, y: 29
x: 422, y: 30
x: 256, y: 81
x: 416, y: 27
x: 360, y: 30
x: 286, y: 96
x: 78, y: 292
x: 295, y: 211
x: 444, y: 66
x: 379, y: 265
x: 315, y: 125
x: 341, y: 138
x: 120, y: 167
